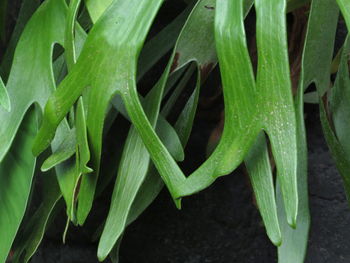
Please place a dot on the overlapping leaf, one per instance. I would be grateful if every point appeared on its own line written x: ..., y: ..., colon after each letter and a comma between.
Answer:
x: 35, y: 227
x: 108, y: 66
x: 31, y: 60
x: 131, y: 176
x: 318, y: 50
x: 277, y: 107
x: 338, y: 110
x: 260, y: 105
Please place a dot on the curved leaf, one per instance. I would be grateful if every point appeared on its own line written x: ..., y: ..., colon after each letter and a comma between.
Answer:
x: 32, y: 68
x: 132, y: 171
x: 35, y: 228
x: 318, y: 50
x: 275, y: 111
x: 63, y: 152
x: 32, y: 59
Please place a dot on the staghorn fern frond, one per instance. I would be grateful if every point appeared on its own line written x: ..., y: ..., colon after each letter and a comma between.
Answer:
x: 76, y: 93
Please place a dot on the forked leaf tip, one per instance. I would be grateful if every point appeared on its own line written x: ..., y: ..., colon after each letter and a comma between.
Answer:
x: 292, y: 221
x: 277, y: 240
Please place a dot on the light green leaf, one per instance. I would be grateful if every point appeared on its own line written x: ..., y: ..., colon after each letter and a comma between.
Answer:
x: 250, y: 107
x: 69, y: 41
x: 4, y: 97
x: 270, y: 107
x: 126, y: 32
x: 97, y: 7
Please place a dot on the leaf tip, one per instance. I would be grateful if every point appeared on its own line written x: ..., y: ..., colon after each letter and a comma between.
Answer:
x: 276, y: 240
x: 292, y: 221
x: 101, y: 254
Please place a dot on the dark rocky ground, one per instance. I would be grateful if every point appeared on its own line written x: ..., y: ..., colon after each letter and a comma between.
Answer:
x: 221, y: 224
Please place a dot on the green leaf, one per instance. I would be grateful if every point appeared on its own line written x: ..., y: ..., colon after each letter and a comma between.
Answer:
x: 337, y: 132
x: 163, y: 128
x: 259, y: 169
x: 32, y: 59
x: 126, y: 33
x: 28, y: 242
x: 179, y: 88
x: 259, y: 106
x: 183, y: 125
x: 33, y: 52
x: 159, y: 45
x: 153, y: 183
x: 64, y: 151
x: 16, y: 174
x: 96, y: 8
x: 318, y: 50
x: 135, y: 160
x: 82, y: 157
x: 4, y: 97
x: 271, y: 107
x: 339, y: 105
x: 69, y: 41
